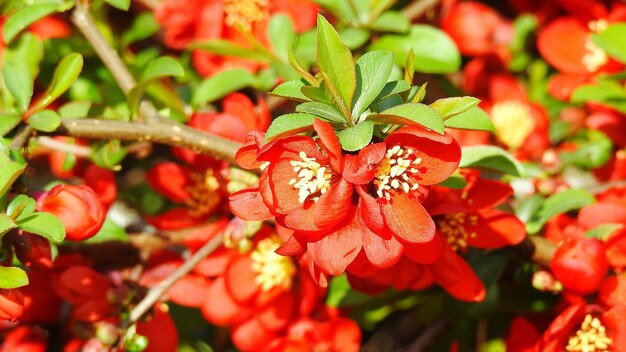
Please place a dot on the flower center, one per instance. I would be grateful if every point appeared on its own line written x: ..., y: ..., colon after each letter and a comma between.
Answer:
x: 453, y: 227
x: 513, y: 122
x: 591, y: 337
x: 204, y: 198
x: 594, y: 57
x: 245, y: 13
x: 395, y: 172
x: 312, y: 180
x: 272, y: 270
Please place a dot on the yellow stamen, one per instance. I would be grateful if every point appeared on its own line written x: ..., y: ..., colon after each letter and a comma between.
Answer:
x: 594, y: 57
x: 272, y: 270
x: 453, y: 227
x: 203, y: 190
x: 245, y: 13
x: 396, y: 172
x: 513, y: 122
x: 591, y: 337
x: 312, y: 180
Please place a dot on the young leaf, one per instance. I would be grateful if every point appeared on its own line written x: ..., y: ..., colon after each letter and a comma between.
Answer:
x: 336, y: 64
x: 490, y: 157
x: 372, y: 71
x: 293, y: 61
x: 228, y: 48
x: 9, y: 171
x: 12, y: 277
x: 19, y: 82
x: 123, y: 5
x: 6, y: 224
x: 289, y: 124
x: 391, y: 88
x: 66, y: 72
x: 354, y: 38
x: 43, y: 224
x: 21, y: 206
x: 8, y: 123
x: 324, y: 111
x: 434, y: 51
x: 109, y: 155
x: 221, y: 84
x: 291, y: 90
x: 317, y: 93
x: 410, y: 114
x: 356, y: 137
x: 455, y: 181
x: 604, y: 231
x: 162, y: 67
x: 45, y: 121
x: 613, y: 41
x: 472, y: 119
x: 559, y: 203
x: 449, y: 107
x: 409, y: 67
x: 282, y: 35
x: 144, y: 26
x: 29, y: 14
x: 391, y: 21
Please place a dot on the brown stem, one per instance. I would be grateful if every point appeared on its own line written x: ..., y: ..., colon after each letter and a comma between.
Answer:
x: 21, y: 138
x: 156, y: 292
x: 171, y: 134
x: 417, y: 8
x: 537, y: 249
x: 74, y: 149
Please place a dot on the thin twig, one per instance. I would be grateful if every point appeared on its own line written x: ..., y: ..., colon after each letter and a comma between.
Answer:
x: 156, y: 292
x: 417, y: 8
x: 74, y: 149
x: 21, y: 138
x: 173, y: 135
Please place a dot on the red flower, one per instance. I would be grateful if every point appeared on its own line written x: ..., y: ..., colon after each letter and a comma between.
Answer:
x: 522, y: 336
x: 102, y: 181
x: 580, y: 265
x: 467, y: 217
x: 41, y: 304
x: 160, y: 331
x: 25, y: 339
x: 11, y: 304
x: 87, y: 290
x: 566, y: 44
x: 201, y: 20
x: 478, y: 30
x: 32, y: 250
x: 78, y: 207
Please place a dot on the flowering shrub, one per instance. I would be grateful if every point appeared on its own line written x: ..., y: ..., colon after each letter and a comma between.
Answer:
x: 312, y: 175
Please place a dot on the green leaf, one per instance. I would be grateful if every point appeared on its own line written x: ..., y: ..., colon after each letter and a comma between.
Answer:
x: 391, y: 88
x: 9, y: 172
x: 282, y: 35
x: 28, y: 15
x: 317, y: 94
x: 8, y: 123
x: 455, y: 181
x: 449, y: 107
x: 144, y: 26
x: 43, y: 224
x: 324, y: 111
x: 110, y: 231
x: 221, y: 84
x: 291, y: 90
x: 21, y: 207
x: 162, y: 67
x: 293, y: 61
x: 337, y: 290
x: 356, y: 137
x: 391, y: 21
x: 434, y: 51
x: 473, y: 119
x: 228, y: 48
x: 613, y: 41
x: 28, y: 49
x: 527, y: 208
x: 602, y: 232
x: 490, y: 157
x: 410, y: 114
x: 409, y: 67
x: 336, y: 64
x: 19, y: 82
x: 12, y: 277
x: 559, y: 203
x: 354, y: 38
x: 66, y: 72
x: 6, y: 224
x: 123, y: 5
x: 372, y: 71
x: 593, y: 151
x: 602, y: 91
x: 110, y: 154
x: 45, y: 121
x: 289, y: 124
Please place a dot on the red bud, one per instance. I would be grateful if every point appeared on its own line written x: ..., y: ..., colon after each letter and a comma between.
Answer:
x: 33, y: 251
x: 78, y: 207
x: 11, y: 304
x: 580, y: 265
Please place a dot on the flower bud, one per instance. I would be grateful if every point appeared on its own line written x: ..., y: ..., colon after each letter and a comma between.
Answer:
x: 11, y: 304
x: 78, y: 207
x: 580, y: 265
x: 102, y: 181
x: 33, y: 251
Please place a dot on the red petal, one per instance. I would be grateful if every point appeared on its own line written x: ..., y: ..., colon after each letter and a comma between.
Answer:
x: 333, y: 205
x: 239, y: 105
x: 248, y: 205
x: 561, y: 86
x: 251, y: 336
x: 371, y: 213
x: 285, y: 195
x: 556, y: 335
x: 276, y: 315
x: 495, y: 229
x: 615, y: 321
x: 505, y: 87
x: 597, y: 214
x: 219, y: 308
x: 359, y: 169
x: 215, y: 264
x: 486, y: 193
x: 382, y: 253
x: 170, y: 180
x: 176, y: 219
x: 408, y: 220
x: 336, y: 251
x: 424, y: 253
x: 246, y: 156
x: 240, y: 280
x: 295, y: 245
x: 562, y: 44
x: 330, y: 143
x: 290, y: 147
x: 456, y: 276
x: 440, y: 154
x: 189, y: 291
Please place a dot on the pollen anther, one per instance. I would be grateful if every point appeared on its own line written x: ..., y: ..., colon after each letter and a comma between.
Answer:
x: 591, y: 337
x: 396, y: 172
x: 312, y: 180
